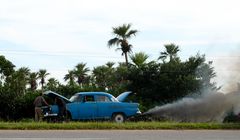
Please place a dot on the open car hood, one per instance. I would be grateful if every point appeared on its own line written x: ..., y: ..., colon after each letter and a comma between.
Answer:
x: 123, y: 96
x: 52, y: 94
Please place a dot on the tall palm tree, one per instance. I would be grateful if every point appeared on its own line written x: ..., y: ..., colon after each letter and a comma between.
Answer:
x: 139, y: 59
x: 42, y: 74
x: 81, y: 72
x: 33, y: 80
x: 171, y: 52
x: 122, y: 34
x: 70, y: 77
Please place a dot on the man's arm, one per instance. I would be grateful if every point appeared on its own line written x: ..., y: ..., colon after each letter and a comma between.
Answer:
x: 45, y: 102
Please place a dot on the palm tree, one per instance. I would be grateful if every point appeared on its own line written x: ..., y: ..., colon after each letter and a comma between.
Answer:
x: 81, y: 72
x: 110, y: 64
x: 42, y: 74
x: 122, y: 33
x: 33, y: 80
x: 52, y: 84
x: 70, y: 77
x: 171, y: 52
x: 21, y: 79
x: 139, y: 59
x: 100, y: 76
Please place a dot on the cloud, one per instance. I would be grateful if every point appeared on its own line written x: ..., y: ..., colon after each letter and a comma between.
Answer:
x: 56, y: 27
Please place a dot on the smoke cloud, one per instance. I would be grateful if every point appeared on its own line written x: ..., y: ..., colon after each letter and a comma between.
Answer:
x: 228, y: 71
x: 210, y: 107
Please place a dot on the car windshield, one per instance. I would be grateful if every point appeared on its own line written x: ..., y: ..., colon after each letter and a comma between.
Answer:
x: 76, y: 98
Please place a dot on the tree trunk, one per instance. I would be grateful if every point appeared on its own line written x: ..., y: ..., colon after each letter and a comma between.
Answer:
x: 126, y: 58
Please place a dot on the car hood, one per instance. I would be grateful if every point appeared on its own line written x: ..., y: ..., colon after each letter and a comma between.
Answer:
x: 123, y: 96
x: 52, y: 94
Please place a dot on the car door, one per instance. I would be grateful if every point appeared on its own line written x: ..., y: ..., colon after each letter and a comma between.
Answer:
x: 104, y: 106
x: 88, y: 108
x: 74, y: 107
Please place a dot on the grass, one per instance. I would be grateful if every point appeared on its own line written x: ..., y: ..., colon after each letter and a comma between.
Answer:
x: 116, y: 126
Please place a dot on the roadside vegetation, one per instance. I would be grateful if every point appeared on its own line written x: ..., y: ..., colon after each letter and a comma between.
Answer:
x: 155, y: 82
x: 114, y: 126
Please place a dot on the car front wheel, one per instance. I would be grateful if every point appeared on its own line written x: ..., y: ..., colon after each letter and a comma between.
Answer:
x: 118, y: 118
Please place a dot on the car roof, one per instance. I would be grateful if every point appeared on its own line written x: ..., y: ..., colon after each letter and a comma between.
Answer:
x: 94, y: 93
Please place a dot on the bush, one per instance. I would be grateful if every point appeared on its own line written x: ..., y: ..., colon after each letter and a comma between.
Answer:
x: 231, y: 118
x: 15, y: 107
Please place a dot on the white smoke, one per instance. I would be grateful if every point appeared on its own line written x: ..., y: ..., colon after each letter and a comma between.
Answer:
x: 228, y: 71
x: 210, y: 107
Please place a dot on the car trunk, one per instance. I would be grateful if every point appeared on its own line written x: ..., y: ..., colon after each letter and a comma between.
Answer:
x: 123, y: 96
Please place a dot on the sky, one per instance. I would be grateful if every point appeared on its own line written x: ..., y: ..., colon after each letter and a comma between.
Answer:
x: 58, y: 34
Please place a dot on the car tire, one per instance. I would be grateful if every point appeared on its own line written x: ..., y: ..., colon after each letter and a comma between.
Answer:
x: 118, y: 118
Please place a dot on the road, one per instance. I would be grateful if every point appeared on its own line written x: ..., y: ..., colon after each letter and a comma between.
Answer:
x: 119, y: 134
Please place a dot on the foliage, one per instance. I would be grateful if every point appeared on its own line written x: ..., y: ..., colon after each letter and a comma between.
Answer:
x: 6, y: 67
x: 42, y: 74
x: 160, y: 83
x: 16, y: 107
x: 24, y: 107
x: 232, y: 118
x: 80, y: 73
x: 139, y: 59
x: 52, y: 84
x: 33, y: 80
x: 122, y: 34
x: 70, y: 78
x: 171, y: 52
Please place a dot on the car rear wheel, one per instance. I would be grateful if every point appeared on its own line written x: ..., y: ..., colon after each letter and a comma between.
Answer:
x: 118, y: 118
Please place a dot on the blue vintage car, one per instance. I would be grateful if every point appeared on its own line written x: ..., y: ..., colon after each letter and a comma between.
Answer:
x: 96, y: 105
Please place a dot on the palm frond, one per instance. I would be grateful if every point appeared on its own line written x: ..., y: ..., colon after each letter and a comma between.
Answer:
x: 162, y: 57
x: 139, y: 58
x: 114, y: 41
x: 130, y: 33
x: 126, y: 48
x: 121, y: 31
x: 130, y: 48
x: 117, y: 49
x: 127, y: 26
x: 164, y: 53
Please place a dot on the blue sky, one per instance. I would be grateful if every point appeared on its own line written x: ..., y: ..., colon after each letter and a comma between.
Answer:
x: 58, y: 34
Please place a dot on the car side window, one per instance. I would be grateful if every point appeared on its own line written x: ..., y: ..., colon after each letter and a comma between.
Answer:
x: 102, y: 98
x: 89, y: 98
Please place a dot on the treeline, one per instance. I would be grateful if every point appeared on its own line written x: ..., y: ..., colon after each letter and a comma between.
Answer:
x: 155, y: 82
